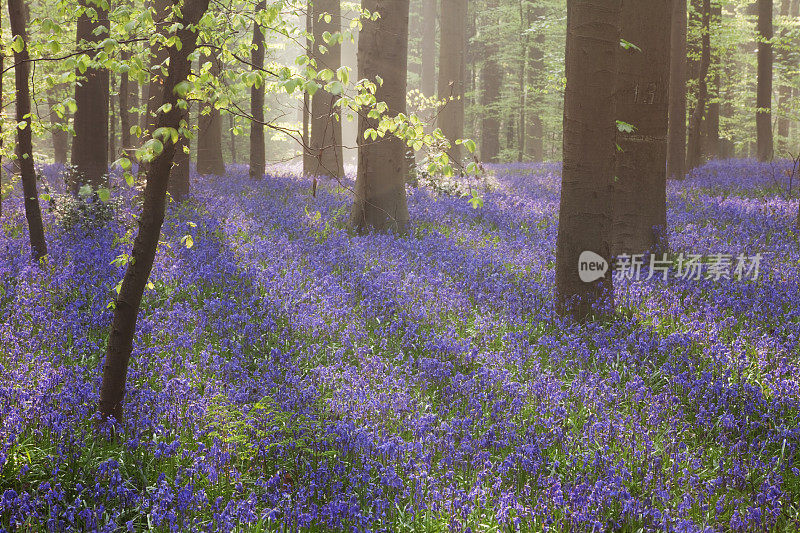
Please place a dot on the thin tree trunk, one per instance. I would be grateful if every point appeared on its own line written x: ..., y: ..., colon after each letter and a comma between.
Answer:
x: 326, y: 124
x: 33, y: 214
x: 784, y: 89
x: 585, y: 217
x: 258, y: 156
x: 491, y: 83
x: 232, y: 132
x: 58, y: 127
x: 640, y: 186
x: 90, y: 144
x: 452, y: 65
x: 429, y: 47
x: 120, y: 343
x: 764, y: 91
x: 209, y: 138
x: 112, y: 117
x: 380, y: 194
x: 307, y: 97
x: 179, y: 184
x: 523, y: 76
x: 125, y: 107
x: 694, y: 154
x: 676, y: 160
x: 710, y: 134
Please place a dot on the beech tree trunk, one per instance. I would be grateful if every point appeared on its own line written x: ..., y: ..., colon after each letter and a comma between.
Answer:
x: 676, y: 159
x: 209, y: 138
x: 764, y: 91
x: 120, y: 344
x: 640, y: 187
x: 58, y: 125
x: 534, y: 129
x: 326, y: 125
x: 33, y: 214
x: 585, y: 217
x: 125, y: 104
x: 90, y: 145
x: 112, y: 119
x: 710, y: 127
x: 380, y: 194
x: 694, y: 154
x: 179, y: 184
x: 452, y: 65
x: 258, y: 155
x: 307, y: 96
x: 491, y: 83
x: 429, y: 47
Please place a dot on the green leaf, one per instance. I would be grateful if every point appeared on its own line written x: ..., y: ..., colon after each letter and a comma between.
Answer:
x: 104, y: 194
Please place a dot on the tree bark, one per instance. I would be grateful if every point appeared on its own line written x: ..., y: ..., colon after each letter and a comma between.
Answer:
x: 58, y: 127
x: 764, y: 91
x: 126, y: 141
x: 120, y: 344
x: 380, y: 194
x: 585, y: 217
x: 33, y: 214
x: 258, y: 155
x: 209, y: 138
x: 326, y: 124
x: 429, y: 47
x: 307, y: 96
x: 694, y: 155
x: 534, y: 128
x: 112, y: 118
x: 785, y: 88
x: 179, y: 184
x: 452, y: 65
x: 491, y: 83
x: 676, y: 160
x: 640, y: 187
x: 90, y: 145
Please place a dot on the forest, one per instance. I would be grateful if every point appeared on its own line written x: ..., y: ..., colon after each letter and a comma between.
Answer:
x: 399, y: 265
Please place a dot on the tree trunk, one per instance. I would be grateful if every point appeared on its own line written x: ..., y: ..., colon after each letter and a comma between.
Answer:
x: 764, y: 91
x: 58, y: 127
x: 491, y: 83
x: 534, y: 129
x: 258, y: 156
x: 429, y: 47
x: 120, y: 343
x: 585, y: 217
x: 640, y: 187
x: 33, y: 214
x: 710, y: 133
x: 112, y: 117
x: 90, y: 145
x: 380, y: 194
x: 785, y: 88
x: 452, y: 64
x: 676, y: 160
x: 209, y: 138
x: 232, y: 131
x: 307, y: 96
x: 158, y: 57
x: 126, y: 141
x: 694, y: 156
x: 326, y: 124
x: 179, y: 184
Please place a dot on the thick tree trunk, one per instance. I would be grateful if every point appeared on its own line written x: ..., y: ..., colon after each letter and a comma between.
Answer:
x: 326, y: 124
x: 694, y: 155
x: 534, y: 129
x: 585, y: 218
x: 57, y: 126
x: 764, y: 91
x: 452, y: 64
x: 90, y: 145
x: 640, y: 188
x: 676, y: 159
x: 120, y: 344
x: 258, y: 156
x: 380, y: 194
x: 429, y: 47
x: 491, y: 83
x: 33, y: 214
x: 209, y: 138
x: 710, y: 134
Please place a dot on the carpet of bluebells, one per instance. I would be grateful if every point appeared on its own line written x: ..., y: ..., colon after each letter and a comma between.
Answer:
x: 288, y: 375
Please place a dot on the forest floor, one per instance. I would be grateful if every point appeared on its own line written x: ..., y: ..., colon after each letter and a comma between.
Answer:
x: 290, y: 376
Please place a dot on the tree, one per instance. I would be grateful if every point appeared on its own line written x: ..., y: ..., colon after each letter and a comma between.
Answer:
x: 534, y: 128
x: 640, y: 185
x: 585, y: 217
x: 694, y: 152
x: 380, y: 194
x: 126, y: 310
x: 58, y: 124
x: 429, y: 47
x: 676, y: 159
x: 491, y: 83
x: 452, y: 64
x: 125, y: 118
x: 326, y: 124
x: 258, y: 157
x: 33, y: 214
x: 764, y: 91
x: 90, y: 145
x: 209, y: 138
